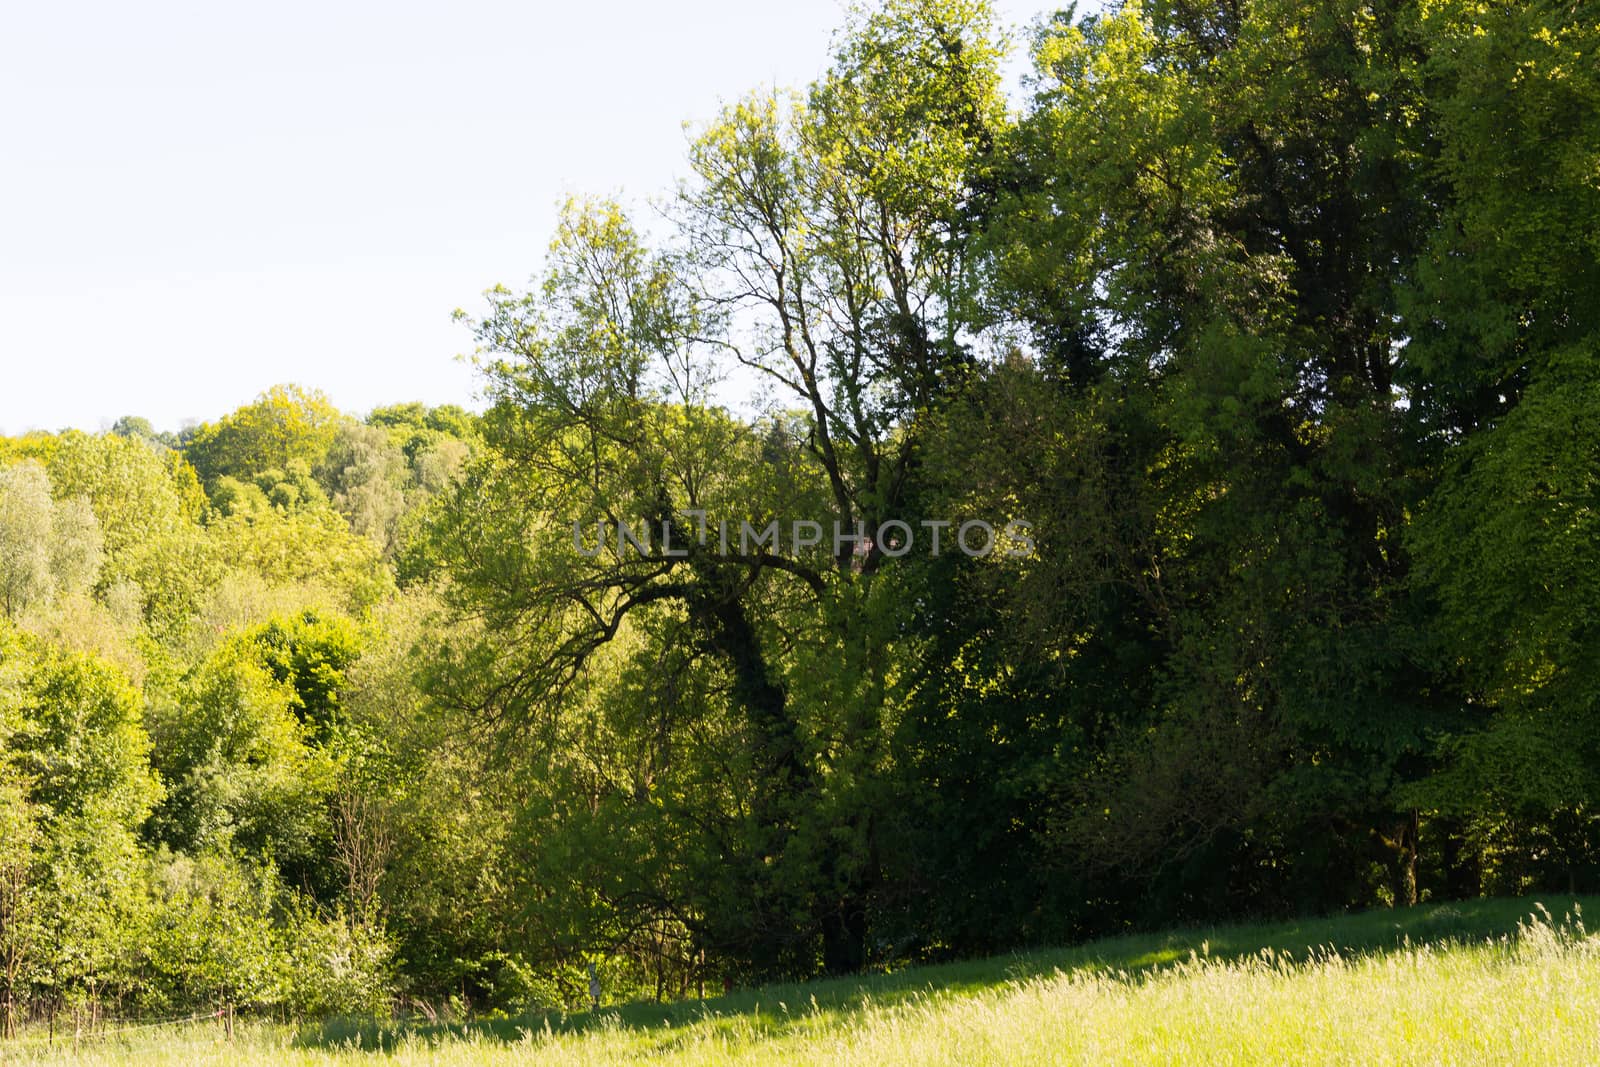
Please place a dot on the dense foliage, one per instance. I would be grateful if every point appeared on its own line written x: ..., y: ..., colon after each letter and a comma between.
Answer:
x: 1265, y: 335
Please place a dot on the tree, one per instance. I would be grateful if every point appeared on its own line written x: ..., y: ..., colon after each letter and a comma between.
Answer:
x: 313, y: 549
x: 46, y: 547
x: 149, y: 505
x: 367, y: 475
x: 77, y: 785
x: 139, y: 428
x: 284, y: 426
x: 20, y: 936
x: 25, y: 520
x: 1503, y: 369
x: 828, y: 241
x: 1206, y: 226
x: 217, y: 944
x: 243, y: 769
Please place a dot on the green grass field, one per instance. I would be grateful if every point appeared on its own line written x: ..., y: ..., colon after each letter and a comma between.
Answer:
x: 1495, y: 981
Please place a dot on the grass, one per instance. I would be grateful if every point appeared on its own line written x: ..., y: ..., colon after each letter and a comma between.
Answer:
x: 1495, y: 981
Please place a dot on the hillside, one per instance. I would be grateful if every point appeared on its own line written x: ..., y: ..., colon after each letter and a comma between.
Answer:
x: 1491, y: 981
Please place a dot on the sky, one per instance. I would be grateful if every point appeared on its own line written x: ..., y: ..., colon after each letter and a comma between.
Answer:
x: 200, y: 200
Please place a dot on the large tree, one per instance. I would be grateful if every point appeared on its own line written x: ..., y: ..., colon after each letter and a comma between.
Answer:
x: 825, y: 254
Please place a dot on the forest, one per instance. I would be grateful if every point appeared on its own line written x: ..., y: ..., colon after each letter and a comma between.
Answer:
x: 1263, y: 335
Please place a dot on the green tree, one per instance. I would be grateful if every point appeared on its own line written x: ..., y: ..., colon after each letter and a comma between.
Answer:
x: 313, y: 549
x: 1503, y: 362
x: 828, y: 238
x: 284, y: 426
x: 20, y: 934
x: 367, y: 475
x: 214, y: 942
x: 25, y: 521
x: 242, y: 768
x: 149, y: 505
x: 77, y: 786
x: 139, y: 428
x: 46, y: 547
x: 1205, y: 228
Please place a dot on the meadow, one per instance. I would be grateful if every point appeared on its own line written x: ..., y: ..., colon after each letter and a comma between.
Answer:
x: 1490, y: 981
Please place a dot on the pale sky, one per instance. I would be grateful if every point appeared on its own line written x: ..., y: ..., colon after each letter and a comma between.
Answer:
x: 199, y: 200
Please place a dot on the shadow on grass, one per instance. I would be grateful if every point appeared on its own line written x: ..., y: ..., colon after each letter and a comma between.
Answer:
x: 779, y: 1010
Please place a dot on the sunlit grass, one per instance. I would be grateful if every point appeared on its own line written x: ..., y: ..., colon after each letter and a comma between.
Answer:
x: 1465, y: 984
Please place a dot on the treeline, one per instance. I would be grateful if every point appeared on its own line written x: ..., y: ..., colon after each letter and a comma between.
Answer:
x: 1275, y: 321
x: 208, y: 740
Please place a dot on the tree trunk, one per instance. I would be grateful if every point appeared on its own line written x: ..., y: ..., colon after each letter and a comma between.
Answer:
x: 783, y: 778
x: 1407, y: 837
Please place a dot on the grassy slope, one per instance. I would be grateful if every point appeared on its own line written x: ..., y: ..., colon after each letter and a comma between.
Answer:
x: 1434, y: 984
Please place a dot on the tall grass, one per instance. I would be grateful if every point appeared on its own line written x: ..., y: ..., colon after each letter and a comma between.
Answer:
x: 1530, y: 996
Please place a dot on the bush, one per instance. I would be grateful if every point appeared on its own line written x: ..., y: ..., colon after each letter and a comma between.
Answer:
x: 334, y: 966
